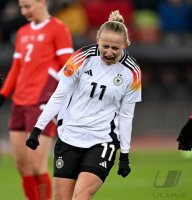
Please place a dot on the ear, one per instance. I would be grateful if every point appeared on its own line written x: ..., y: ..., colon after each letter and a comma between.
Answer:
x: 126, y: 45
x: 97, y: 40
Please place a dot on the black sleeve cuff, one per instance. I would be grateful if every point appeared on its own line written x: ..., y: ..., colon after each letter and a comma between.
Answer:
x: 124, y: 156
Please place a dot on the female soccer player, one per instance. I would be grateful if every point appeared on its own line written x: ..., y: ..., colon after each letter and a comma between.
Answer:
x: 95, y: 98
x: 42, y: 48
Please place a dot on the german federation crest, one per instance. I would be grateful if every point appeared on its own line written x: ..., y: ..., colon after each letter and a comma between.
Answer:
x: 118, y: 80
x: 59, y: 163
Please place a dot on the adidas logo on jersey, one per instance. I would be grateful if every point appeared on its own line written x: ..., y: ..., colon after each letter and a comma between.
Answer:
x: 103, y: 164
x: 89, y: 72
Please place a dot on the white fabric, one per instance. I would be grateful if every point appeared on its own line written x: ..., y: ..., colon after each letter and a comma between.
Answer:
x: 101, y: 94
x: 125, y: 126
x: 54, y: 105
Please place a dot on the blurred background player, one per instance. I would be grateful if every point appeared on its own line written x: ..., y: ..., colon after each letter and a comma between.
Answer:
x: 41, y: 49
x: 104, y: 83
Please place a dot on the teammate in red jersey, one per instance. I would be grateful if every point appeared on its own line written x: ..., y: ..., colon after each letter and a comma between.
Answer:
x: 42, y: 47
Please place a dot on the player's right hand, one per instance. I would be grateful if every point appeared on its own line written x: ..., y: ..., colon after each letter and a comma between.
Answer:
x: 33, y: 140
x: 124, y: 167
x: 185, y: 137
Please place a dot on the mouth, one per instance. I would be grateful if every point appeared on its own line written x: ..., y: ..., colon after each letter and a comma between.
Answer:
x: 28, y: 17
x: 109, y: 60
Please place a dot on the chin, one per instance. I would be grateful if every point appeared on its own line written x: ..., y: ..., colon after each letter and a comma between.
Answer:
x: 29, y: 19
x: 107, y: 62
x: 111, y: 63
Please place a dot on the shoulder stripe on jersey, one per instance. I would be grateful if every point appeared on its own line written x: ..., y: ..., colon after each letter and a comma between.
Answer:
x: 130, y: 63
x: 78, y: 58
x: 84, y: 53
x: 134, y: 67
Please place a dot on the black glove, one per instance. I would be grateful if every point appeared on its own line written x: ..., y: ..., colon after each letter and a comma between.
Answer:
x: 124, y: 168
x: 2, y: 99
x: 33, y: 140
x: 185, y: 137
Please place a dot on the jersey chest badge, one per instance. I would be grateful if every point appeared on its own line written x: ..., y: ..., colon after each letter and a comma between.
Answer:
x: 40, y: 37
x: 118, y: 80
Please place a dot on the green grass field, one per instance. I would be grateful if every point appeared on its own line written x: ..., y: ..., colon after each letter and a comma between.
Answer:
x: 144, y: 182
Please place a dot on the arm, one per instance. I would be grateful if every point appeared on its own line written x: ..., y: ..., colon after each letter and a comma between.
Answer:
x: 67, y: 76
x: 125, y: 126
x: 10, y: 81
x: 63, y: 43
x: 51, y: 109
x: 185, y: 136
x: 132, y: 95
x: 125, y: 129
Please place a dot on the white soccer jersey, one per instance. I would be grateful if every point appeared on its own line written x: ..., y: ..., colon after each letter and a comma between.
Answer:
x: 98, y: 110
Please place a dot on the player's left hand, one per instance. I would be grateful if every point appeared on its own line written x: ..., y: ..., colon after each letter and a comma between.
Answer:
x: 33, y: 140
x: 124, y: 167
x: 185, y: 137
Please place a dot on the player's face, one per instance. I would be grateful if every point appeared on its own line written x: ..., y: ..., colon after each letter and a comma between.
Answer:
x: 31, y: 9
x: 111, y: 45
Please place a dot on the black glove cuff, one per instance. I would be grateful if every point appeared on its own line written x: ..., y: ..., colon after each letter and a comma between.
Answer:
x: 185, y: 133
x: 124, y: 157
x: 36, y: 132
x: 189, y: 124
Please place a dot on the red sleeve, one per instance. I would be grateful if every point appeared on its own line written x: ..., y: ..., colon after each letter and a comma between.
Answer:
x: 64, y: 58
x: 10, y: 81
x: 63, y: 43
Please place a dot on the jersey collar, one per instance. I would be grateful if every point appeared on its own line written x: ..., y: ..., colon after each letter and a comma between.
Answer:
x: 39, y: 26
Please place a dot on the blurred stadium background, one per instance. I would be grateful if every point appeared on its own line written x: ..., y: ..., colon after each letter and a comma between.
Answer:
x: 161, y: 41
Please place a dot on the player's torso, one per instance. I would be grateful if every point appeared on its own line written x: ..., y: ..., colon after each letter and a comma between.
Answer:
x: 36, y: 43
x: 93, y: 111
x: 38, y: 54
x: 98, y: 93
x: 103, y: 84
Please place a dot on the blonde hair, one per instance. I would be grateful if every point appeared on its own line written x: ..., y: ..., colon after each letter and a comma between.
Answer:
x: 116, y: 24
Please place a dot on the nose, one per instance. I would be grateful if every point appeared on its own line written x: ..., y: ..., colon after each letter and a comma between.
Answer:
x: 109, y: 52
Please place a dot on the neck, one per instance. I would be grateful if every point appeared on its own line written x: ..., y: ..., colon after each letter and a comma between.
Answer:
x: 120, y: 56
x: 45, y: 15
